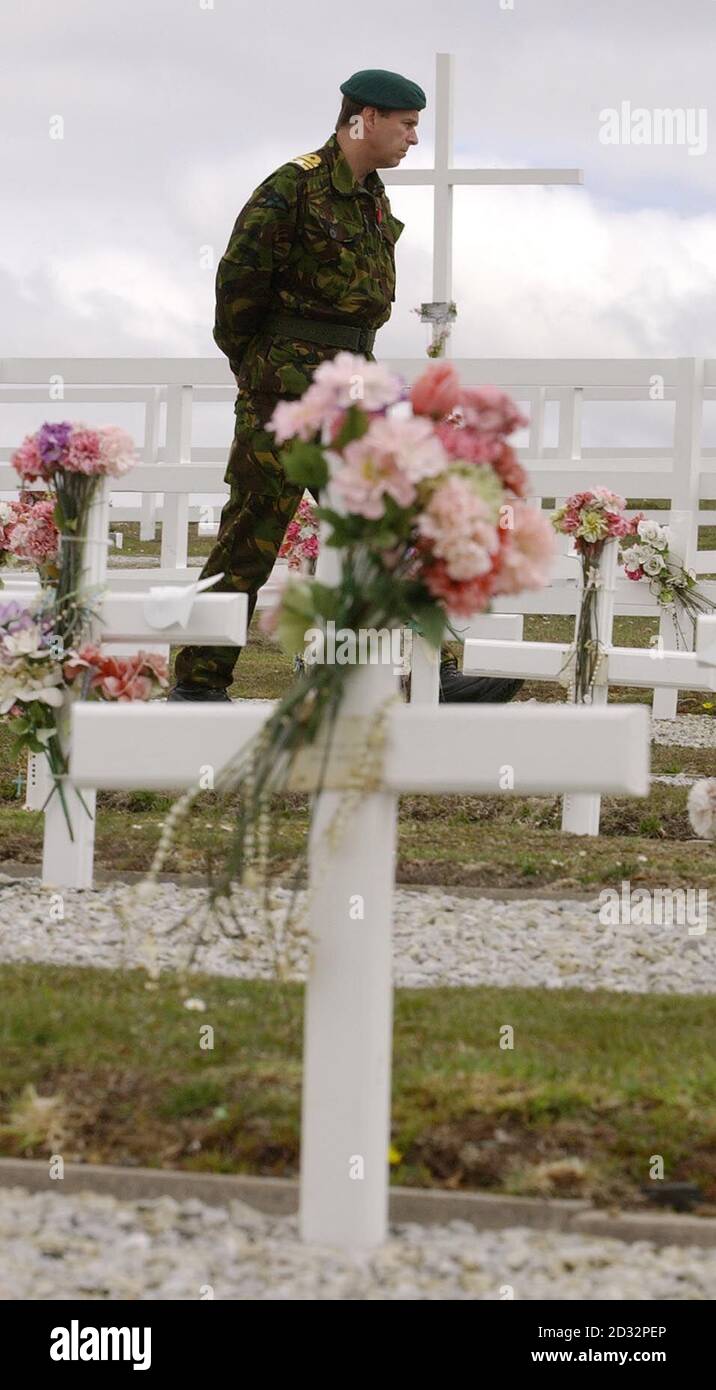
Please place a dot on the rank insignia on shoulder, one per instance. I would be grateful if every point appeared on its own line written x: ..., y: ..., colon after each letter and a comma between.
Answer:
x: 307, y: 161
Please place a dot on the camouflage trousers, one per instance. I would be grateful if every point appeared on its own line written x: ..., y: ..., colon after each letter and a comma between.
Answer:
x: 254, y: 519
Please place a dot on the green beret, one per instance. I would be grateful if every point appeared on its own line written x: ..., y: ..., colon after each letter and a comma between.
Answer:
x: 376, y: 87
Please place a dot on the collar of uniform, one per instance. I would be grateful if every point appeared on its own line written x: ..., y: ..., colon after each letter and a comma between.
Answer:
x: 342, y: 176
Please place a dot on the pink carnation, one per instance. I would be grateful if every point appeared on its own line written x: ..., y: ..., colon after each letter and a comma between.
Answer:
x: 526, y: 557
x: 579, y: 500
x: 84, y: 452
x: 462, y: 443
x: 471, y: 445
x: 35, y: 536
x: 571, y: 521
x: 612, y: 501
x: 618, y: 525
x: 491, y: 410
x: 437, y: 391
x: 117, y: 451
x: 510, y: 470
x: 459, y: 597
x: 28, y: 461
x: 459, y: 527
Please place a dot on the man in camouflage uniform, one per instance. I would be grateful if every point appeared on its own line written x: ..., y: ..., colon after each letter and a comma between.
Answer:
x: 309, y: 270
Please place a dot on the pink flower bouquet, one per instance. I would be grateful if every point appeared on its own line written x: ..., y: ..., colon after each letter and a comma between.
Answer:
x: 591, y: 519
x: 67, y: 448
x: 28, y: 532
x: 136, y: 677
x: 72, y: 458
x: 437, y: 499
x: 427, y: 503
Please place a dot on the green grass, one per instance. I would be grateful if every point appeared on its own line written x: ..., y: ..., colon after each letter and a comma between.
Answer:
x: 133, y: 1086
x: 480, y: 841
x: 132, y: 545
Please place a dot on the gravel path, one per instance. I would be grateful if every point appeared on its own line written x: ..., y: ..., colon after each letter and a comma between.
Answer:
x: 97, y: 1247
x: 439, y: 940
x: 686, y: 731
x: 675, y: 779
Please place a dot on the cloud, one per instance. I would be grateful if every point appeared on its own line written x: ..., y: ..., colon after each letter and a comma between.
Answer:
x: 174, y: 114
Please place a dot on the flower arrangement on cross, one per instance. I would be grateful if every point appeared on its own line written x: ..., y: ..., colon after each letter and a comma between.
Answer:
x: 648, y: 555
x: 45, y: 658
x: 591, y: 519
x: 424, y: 495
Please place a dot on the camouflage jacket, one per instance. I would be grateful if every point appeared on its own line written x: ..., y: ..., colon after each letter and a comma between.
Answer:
x: 310, y: 241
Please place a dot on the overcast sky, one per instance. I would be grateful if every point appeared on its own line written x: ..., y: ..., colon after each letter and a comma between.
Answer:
x: 174, y: 112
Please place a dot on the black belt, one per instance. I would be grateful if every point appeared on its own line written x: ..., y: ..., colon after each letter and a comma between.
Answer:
x: 345, y: 335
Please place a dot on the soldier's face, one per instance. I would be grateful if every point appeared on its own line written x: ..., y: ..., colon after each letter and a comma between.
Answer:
x: 392, y: 137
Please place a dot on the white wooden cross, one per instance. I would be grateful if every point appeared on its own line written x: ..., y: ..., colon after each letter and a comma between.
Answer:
x: 443, y: 177
x: 648, y: 668
x: 345, y: 1127
x: 122, y: 618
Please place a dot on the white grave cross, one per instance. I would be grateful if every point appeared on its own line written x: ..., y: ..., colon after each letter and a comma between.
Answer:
x: 179, y: 615
x: 443, y: 177
x: 647, y: 668
x: 345, y: 1130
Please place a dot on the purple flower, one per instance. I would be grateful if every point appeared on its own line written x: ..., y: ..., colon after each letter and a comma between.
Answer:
x: 14, y: 617
x: 53, y: 441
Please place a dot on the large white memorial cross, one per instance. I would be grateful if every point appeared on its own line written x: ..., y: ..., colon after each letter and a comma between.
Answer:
x: 345, y: 1128
x: 443, y: 177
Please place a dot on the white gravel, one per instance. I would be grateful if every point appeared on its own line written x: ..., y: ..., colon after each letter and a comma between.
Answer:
x: 675, y: 779
x: 440, y: 939
x: 686, y: 731
x: 96, y: 1247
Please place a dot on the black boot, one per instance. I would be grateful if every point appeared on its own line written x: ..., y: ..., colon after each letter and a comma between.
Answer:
x: 456, y: 689
x: 199, y: 693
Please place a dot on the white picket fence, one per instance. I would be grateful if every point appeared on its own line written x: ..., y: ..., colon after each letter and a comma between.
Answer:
x: 180, y: 479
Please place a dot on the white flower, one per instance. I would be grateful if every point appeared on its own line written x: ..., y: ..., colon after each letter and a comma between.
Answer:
x: 26, y: 642
x: 20, y: 685
x: 702, y: 808
x: 653, y: 534
x: 197, y: 1004
x: 5, y: 512
x: 653, y: 565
